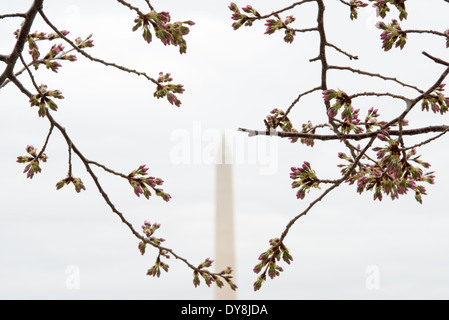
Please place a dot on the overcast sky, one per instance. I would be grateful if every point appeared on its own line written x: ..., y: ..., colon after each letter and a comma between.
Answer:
x: 232, y: 79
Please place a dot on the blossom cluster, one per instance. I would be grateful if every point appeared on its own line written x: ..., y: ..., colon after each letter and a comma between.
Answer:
x: 140, y: 182
x: 43, y: 99
x: 168, y: 33
x: 148, y: 230
x: 33, y: 159
x: 77, y: 183
x: 349, y: 115
x: 243, y: 19
x: 436, y: 101
x: 393, y: 174
x: 269, y: 259
x: 210, y: 278
x: 272, y: 25
x: 166, y: 89
x: 304, y: 178
x: 278, y: 118
x: 382, y: 7
x: 56, y: 52
x: 310, y: 129
x: 354, y: 5
x: 392, y: 35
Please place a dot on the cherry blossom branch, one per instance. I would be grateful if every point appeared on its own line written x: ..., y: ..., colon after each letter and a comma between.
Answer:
x: 392, y: 173
x: 137, y: 179
x: 88, y: 56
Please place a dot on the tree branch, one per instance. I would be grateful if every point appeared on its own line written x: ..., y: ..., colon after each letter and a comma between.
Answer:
x: 92, y: 58
x: 377, y: 75
x: 340, y: 136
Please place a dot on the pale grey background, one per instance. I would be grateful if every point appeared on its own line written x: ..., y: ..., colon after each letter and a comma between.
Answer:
x: 232, y: 79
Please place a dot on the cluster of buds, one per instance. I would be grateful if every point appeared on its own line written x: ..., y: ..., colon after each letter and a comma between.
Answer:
x: 148, y: 230
x: 382, y: 7
x: 304, y: 179
x: 155, y: 270
x: 43, y: 99
x: 436, y: 101
x: 349, y: 115
x: 393, y: 174
x: 243, y: 19
x: 371, y: 119
x: 168, y: 33
x: 308, y: 128
x: 269, y: 259
x: 354, y: 5
x: 38, y: 36
x: 33, y: 161
x: 272, y: 25
x: 210, y: 278
x: 56, y: 52
x: 86, y: 43
x: 164, y: 88
x: 392, y: 35
x: 277, y: 118
x: 49, y: 58
x: 140, y: 182
x: 77, y: 183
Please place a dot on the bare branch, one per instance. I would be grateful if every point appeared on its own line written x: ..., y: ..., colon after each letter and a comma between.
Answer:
x: 285, y: 9
x: 12, y: 15
x: 350, y: 56
x: 140, y: 13
x: 437, y: 60
x: 375, y: 75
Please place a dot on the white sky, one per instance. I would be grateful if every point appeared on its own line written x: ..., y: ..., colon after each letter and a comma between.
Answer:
x: 232, y: 79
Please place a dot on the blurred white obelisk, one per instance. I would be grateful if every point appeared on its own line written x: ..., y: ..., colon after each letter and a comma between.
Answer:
x: 224, y: 221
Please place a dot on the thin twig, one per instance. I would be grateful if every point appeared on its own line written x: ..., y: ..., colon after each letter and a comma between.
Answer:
x: 350, y: 56
x: 12, y: 15
x: 30, y: 73
x: 377, y: 75
x: 46, y: 141
x: 427, y: 141
x: 140, y: 13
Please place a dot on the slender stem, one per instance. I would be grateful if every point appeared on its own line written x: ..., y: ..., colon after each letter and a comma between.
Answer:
x: 140, y: 13
x: 350, y: 56
x: 377, y: 75
x: 12, y: 15
x: 285, y: 9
